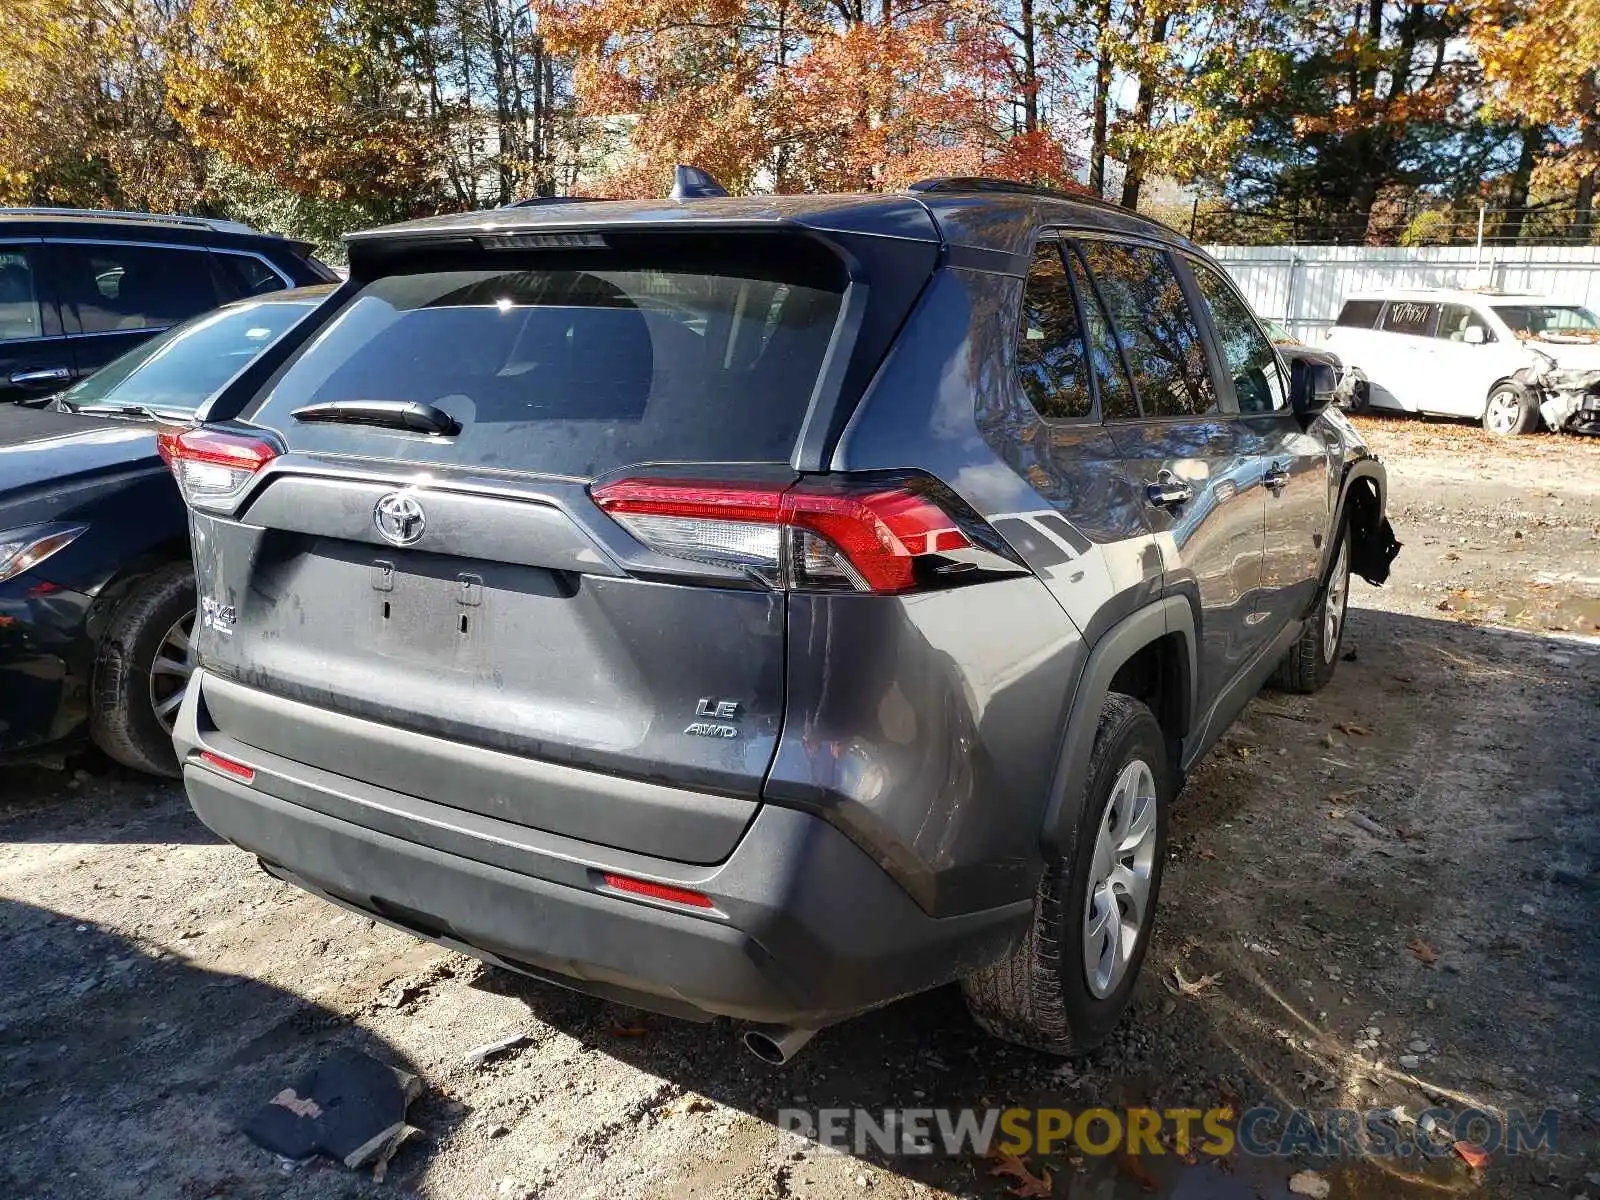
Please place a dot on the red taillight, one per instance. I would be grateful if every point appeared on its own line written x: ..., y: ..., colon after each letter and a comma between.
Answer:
x: 212, y: 467
x: 228, y: 767
x: 658, y: 891
x: 805, y: 535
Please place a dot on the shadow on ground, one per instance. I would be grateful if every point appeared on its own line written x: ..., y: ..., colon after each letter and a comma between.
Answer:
x: 126, y: 1071
x: 1453, y: 810
x: 89, y: 799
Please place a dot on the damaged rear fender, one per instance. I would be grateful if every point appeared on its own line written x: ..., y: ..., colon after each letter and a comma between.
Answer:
x: 1373, y: 546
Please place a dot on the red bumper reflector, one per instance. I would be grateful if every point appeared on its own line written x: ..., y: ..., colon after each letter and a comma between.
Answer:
x: 228, y: 767
x: 658, y: 891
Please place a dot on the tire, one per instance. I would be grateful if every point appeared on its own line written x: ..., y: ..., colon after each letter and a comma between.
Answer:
x: 124, y: 721
x: 1041, y: 996
x: 1510, y: 411
x: 1310, y: 662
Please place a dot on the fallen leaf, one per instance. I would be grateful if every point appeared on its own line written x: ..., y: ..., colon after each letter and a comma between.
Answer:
x: 1309, y: 1183
x: 1179, y: 986
x: 1028, y: 1184
x: 1134, y: 1170
x: 1243, y: 751
x: 1423, y: 951
x: 1351, y: 728
x: 627, y: 1031
x: 1208, y: 853
x: 1473, y: 1155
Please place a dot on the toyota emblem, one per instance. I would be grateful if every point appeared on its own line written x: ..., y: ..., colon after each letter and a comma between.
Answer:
x: 399, y: 518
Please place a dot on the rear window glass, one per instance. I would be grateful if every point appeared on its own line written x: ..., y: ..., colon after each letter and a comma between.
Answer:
x: 179, y: 370
x: 581, y: 362
x: 1360, y: 314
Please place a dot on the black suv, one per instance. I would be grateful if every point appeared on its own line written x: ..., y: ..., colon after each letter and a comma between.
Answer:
x: 79, y: 287
x: 763, y: 607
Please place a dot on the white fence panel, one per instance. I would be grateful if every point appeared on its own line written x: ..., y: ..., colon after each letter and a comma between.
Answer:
x: 1303, y: 287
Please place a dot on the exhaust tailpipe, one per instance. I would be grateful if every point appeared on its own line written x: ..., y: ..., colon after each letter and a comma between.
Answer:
x: 776, y: 1044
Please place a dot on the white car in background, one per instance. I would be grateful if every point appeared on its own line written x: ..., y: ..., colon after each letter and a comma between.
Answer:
x: 1505, y: 359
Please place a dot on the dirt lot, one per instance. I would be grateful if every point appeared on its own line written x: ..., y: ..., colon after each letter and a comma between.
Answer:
x: 1438, y: 802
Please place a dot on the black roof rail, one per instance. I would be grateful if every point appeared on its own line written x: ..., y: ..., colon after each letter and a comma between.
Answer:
x: 216, y: 224
x: 541, y: 201
x: 691, y: 183
x: 983, y: 183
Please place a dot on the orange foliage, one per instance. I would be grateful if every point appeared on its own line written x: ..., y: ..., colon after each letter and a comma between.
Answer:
x: 802, y: 95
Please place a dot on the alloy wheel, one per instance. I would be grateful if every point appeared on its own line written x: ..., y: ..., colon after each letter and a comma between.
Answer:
x: 1119, y: 878
x: 1333, y: 604
x: 171, y: 670
x: 1504, y: 409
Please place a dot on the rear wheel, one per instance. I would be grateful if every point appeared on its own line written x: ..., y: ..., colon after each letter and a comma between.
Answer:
x: 142, y: 671
x: 1310, y: 662
x: 1066, y: 986
x: 1510, y: 410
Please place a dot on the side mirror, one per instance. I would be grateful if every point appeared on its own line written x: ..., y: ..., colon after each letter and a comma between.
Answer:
x: 1472, y: 335
x: 1311, y: 388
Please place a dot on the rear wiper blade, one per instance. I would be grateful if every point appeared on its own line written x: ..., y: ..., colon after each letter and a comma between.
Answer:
x: 131, y: 410
x: 391, y: 414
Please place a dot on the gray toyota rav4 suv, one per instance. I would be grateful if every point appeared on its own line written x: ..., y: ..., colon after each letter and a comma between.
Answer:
x: 763, y: 608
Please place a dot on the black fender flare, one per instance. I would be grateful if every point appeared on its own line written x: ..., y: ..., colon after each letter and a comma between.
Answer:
x: 111, y: 591
x: 1169, y: 615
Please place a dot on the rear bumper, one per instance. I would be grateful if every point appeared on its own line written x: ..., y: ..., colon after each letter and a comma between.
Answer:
x: 806, y: 929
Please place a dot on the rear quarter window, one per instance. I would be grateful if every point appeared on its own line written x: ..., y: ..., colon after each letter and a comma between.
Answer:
x: 580, y: 362
x: 1360, y: 314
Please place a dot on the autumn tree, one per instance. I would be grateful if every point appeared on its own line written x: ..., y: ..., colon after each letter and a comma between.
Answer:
x: 83, y: 107
x: 1542, y: 60
x: 502, y: 101
x: 1370, y: 106
x: 1193, y: 66
x: 809, y: 94
x: 311, y: 94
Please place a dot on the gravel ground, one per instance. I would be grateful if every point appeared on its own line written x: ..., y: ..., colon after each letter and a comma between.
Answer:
x: 1437, y: 802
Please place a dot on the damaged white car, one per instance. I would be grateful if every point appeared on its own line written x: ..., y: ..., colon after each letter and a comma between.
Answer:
x: 1511, y: 360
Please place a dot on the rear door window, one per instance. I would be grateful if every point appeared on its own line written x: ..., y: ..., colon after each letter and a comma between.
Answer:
x: 111, y: 287
x: 1117, y: 402
x: 1411, y: 317
x: 578, y: 363
x: 1050, y: 352
x: 1159, y: 337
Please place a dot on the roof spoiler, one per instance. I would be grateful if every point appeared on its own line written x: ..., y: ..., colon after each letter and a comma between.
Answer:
x: 691, y: 183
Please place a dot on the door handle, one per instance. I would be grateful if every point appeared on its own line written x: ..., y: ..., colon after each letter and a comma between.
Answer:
x: 1276, y: 478
x: 42, y: 377
x: 1168, y: 491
